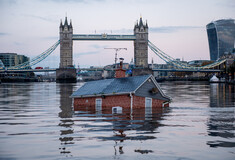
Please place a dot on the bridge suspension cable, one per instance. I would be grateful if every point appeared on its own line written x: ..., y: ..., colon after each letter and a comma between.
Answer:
x: 169, y: 59
x: 36, y: 59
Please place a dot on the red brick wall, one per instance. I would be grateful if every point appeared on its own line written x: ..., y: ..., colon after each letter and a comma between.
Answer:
x: 80, y: 104
x: 120, y: 73
x: 139, y: 102
x: 108, y: 102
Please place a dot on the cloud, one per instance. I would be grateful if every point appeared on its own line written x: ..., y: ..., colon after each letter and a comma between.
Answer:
x: 18, y: 43
x: 51, y: 38
x: 163, y: 29
x: 7, y: 2
x: 42, y: 18
x: 72, y: 1
x: 84, y: 54
x: 4, y: 34
x: 123, y: 30
x: 64, y: 1
x: 227, y: 3
x: 172, y: 29
x: 96, y: 46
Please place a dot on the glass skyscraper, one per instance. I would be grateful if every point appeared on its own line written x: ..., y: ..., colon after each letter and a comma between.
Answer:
x: 221, y: 37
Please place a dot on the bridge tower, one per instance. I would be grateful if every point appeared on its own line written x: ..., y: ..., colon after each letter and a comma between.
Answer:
x: 141, y: 44
x: 66, y: 71
x: 66, y: 44
x: 141, y: 49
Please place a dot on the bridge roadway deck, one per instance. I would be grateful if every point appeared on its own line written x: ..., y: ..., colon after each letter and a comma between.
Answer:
x: 101, y: 69
x: 27, y: 70
x: 44, y: 70
x: 103, y: 37
x: 187, y: 70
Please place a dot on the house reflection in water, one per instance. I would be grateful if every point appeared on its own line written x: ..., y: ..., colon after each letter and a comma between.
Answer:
x: 144, y: 125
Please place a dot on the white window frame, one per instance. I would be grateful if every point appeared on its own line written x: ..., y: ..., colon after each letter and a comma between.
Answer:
x: 148, y: 110
x: 98, y: 104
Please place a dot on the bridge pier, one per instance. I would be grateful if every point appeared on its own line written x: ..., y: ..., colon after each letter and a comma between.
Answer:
x: 66, y: 75
x: 141, y: 71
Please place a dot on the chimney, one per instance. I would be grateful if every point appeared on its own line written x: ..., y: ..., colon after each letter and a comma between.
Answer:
x: 120, y: 72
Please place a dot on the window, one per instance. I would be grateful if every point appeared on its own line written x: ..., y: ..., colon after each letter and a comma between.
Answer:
x: 98, y: 105
x: 148, y: 107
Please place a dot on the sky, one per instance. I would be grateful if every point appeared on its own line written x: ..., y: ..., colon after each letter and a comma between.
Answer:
x: 177, y: 27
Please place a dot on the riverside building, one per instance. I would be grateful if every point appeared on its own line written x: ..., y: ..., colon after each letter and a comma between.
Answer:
x: 12, y: 59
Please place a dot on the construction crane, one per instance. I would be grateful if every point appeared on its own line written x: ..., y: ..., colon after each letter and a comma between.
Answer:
x: 116, y: 49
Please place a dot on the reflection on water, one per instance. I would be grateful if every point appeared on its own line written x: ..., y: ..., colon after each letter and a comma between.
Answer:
x: 118, y: 124
x: 66, y: 121
x: 121, y: 127
x: 222, y: 95
x: 37, y: 121
x: 221, y: 121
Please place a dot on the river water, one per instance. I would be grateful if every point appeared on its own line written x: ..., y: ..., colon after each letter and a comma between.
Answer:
x: 37, y: 121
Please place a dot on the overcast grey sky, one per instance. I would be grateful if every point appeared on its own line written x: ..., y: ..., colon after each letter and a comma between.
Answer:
x: 177, y: 27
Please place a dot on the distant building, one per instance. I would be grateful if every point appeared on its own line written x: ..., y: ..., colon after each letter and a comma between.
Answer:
x: 12, y: 59
x: 160, y: 73
x: 221, y: 37
x: 109, y: 71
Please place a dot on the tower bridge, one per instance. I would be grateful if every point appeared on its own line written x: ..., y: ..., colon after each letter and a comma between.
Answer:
x: 67, y: 73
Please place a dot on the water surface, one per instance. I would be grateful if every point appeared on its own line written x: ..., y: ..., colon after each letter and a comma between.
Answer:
x: 37, y: 121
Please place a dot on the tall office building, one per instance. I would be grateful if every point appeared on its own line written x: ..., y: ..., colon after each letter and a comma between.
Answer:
x: 221, y: 37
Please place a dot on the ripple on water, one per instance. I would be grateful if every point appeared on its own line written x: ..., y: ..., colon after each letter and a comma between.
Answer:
x: 37, y: 121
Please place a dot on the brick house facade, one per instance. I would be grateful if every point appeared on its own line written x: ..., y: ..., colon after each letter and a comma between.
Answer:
x: 128, y: 93
x: 124, y: 101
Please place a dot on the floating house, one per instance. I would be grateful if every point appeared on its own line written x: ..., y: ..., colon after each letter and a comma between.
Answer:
x: 121, y: 93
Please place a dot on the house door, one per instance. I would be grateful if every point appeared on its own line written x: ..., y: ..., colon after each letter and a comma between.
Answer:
x: 98, y: 105
x: 148, y: 107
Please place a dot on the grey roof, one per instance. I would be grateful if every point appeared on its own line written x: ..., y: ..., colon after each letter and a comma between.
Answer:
x: 110, y: 86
